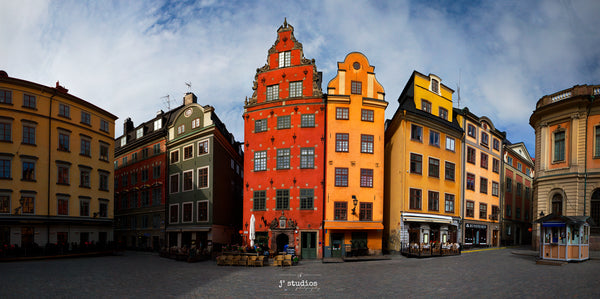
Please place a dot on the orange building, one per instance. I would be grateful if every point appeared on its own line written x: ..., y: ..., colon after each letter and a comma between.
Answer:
x: 354, y: 154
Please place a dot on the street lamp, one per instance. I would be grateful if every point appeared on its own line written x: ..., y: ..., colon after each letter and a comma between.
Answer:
x: 355, y: 202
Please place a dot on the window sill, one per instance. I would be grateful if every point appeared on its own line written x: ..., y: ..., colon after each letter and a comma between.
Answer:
x: 6, y: 141
x: 63, y: 150
x: 87, y: 124
x: 25, y: 180
x: 63, y: 184
x: 6, y: 179
x: 30, y: 144
x: 31, y: 108
x: 65, y: 116
x: 103, y: 189
x: 85, y: 155
x: 8, y: 104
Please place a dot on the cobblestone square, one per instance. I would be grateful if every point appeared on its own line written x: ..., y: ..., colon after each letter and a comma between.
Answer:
x: 492, y: 273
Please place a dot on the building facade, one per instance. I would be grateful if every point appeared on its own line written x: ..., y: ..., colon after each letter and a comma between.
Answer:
x: 423, y: 143
x: 284, y: 131
x: 354, y: 152
x: 56, y: 155
x: 482, y: 159
x: 517, y: 202
x: 567, y: 156
x: 205, y: 179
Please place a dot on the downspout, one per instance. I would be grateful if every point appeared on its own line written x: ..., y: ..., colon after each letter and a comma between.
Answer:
x: 585, y: 155
x: 49, y: 166
x: 324, y: 179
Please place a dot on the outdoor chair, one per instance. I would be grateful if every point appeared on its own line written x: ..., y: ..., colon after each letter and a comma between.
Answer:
x: 287, y: 261
x: 278, y: 260
x: 259, y: 261
x: 252, y: 260
x: 221, y: 260
x: 234, y: 260
x: 243, y: 261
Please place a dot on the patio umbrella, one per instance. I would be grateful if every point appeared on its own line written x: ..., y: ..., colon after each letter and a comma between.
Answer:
x: 252, y: 220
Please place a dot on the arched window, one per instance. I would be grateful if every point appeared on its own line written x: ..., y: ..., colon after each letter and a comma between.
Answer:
x: 595, y: 207
x: 557, y: 203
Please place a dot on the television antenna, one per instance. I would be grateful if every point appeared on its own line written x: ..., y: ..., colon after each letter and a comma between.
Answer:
x: 189, y: 85
x: 458, y: 90
x: 167, y: 101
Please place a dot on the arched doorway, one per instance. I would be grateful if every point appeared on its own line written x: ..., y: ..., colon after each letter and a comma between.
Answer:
x: 557, y: 204
x: 282, y: 240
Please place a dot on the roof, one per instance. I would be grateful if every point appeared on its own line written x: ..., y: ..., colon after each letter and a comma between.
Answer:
x: 566, y: 219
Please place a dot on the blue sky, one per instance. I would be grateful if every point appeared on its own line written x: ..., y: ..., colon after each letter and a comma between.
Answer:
x: 125, y: 56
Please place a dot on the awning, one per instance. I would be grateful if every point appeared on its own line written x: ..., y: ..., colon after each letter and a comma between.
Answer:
x: 427, y: 219
x: 553, y: 224
x: 353, y: 225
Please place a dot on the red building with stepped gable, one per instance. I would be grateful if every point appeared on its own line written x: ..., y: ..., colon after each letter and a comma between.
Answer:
x: 284, y: 127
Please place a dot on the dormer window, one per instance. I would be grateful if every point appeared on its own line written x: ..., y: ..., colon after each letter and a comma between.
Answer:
x: 435, y: 85
x: 157, y: 124
x: 139, y: 133
x: 443, y: 113
x: 285, y: 59
x: 123, y: 141
x: 426, y: 106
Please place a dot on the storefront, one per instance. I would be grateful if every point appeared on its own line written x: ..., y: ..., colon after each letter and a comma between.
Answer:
x: 476, y: 234
x: 564, y: 238
x: 427, y: 235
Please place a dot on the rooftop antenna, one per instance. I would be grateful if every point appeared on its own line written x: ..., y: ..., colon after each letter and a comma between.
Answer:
x: 458, y: 90
x: 167, y: 101
x: 189, y: 85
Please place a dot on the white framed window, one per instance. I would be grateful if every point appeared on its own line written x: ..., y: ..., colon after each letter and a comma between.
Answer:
x: 272, y: 92
x: 203, y: 147
x: 175, y: 156
x: 285, y: 58
x: 187, y: 212
x: 158, y: 124
x: 188, y: 152
x: 434, y: 85
x: 450, y: 143
x: 173, y: 213
x: 139, y: 133
x: 181, y: 129
x: 202, y: 177
x: 188, y: 180
x: 295, y: 89
x: 123, y: 141
x: 196, y: 123
x: 202, y: 211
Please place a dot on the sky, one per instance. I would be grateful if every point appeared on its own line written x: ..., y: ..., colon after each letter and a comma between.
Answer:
x: 128, y: 56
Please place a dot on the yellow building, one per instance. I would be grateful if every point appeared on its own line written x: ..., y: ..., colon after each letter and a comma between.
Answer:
x: 482, y: 150
x: 354, y: 155
x: 56, y: 161
x: 422, y: 167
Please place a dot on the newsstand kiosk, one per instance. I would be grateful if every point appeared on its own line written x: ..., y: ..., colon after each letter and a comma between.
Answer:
x: 564, y: 238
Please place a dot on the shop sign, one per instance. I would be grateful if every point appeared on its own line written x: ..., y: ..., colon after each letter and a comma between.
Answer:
x: 476, y: 226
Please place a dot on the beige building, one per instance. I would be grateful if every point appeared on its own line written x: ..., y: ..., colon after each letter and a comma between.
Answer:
x: 567, y: 156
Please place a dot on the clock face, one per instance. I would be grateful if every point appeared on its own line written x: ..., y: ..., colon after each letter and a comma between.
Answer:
x: 356, y: 65
x: 188, y: 112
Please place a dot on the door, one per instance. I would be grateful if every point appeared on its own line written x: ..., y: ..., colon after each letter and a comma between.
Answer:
x: 309, y: 245
x: 495, y: 238
x: 337, y: 240
x: 476, y: 241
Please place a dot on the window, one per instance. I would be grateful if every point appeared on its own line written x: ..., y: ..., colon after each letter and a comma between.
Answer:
x: 426, y: 106
x: 203, y: 211
x: 449, y: 203
x: 496, y: 144
x: 145, y: 198
x: 470, y: 208
x: 85, y: 118
x: 471, y: 155
x: 435, y: 86
x: 416, y: 133
x: 307, y: 157
x: 508, y: 211
x: 495, y: 165
x: 519, y: 189
x: 415, y: 199
x: 306, y: 199
x: 518, y: 213
x: 366, y: 144
x: 259, y: 200
x: 273, y: 92
x: 63, y: 142
x: 483, y: 185
x: 470, y: 181
x: 342, y: 113
x: 123, y: 141
x: 156, y: 172
x: 495, y: 212
x: 341, y: 210
x: 157, y: 124
x: 285, y: 58
x: 196, y: 123
x: 341, y: 142
x: 174, y: 156
x: 134, y: 157
x: 103, y: 126
x: 434, y: 168
x: 144, y: 153
x: 508, y: 185
x: 450, y: 143
x: 471, y: 130
x: 28, y: 134
x: 139, y: 133
x: 509, y: 160
x: 63, y: 206
x: 443, y: 113
x: 482, y: 211
x: 156, y: 196
x: 188, y: 152
x: 284, y: 122
x: 29, y: 101
x: 124, y: 178
x: 203, y: 178
x: 85, y: 147
x: 28, y: 173
x: 366, y: 177
x: 307, y: 120
x: 341, y: 177
x: 63, y: 175
x: 5, y: 168
x: 5, y: 131
x: 594, y: 207
x: 282, y: 199
x: 484, y: 139
x: 260, y: 160
x: 5, y: 97
x: 495, y: 188
x: 434, y: 138
x: 84, y: 207
x: 64, y: 110
x: 103, y: 184
x: 450, y: 168
x: 416, y: 163
x: 180, y: 129
x: 295, y: 89
x: 174, y: 213
x: 283, y: 158
x: 188, y: 180
x: 203, y: 147
x: 433, y: 201
x: 134, y: 178
x: 356, y: 87
x: 260, y: 125
x: 4, y: 199
x: 186, y: 212
x: 519, y: 166
x: 559, y: 146
x: 28, y: 206
x: 156, y: 149
x: 366, y: 211
x: 527, y: 193
x: 367, y: 115
x: 484, y: 160
x: 103, y: 151
x: 174, y: 183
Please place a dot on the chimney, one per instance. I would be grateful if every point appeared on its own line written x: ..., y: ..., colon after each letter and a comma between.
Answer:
x: 189, y: 98
x: 127, y: 126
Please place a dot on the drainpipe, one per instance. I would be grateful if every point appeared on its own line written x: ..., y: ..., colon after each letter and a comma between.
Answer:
x: 49, y: 166
x: 589, y: 109
x: 323, y: 186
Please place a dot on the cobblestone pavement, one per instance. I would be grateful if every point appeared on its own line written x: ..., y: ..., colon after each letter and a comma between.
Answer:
x: 493, y: 273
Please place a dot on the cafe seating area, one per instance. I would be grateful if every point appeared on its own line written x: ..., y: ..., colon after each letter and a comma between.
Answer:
x: 430, y: 249
x: 254, y: 259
